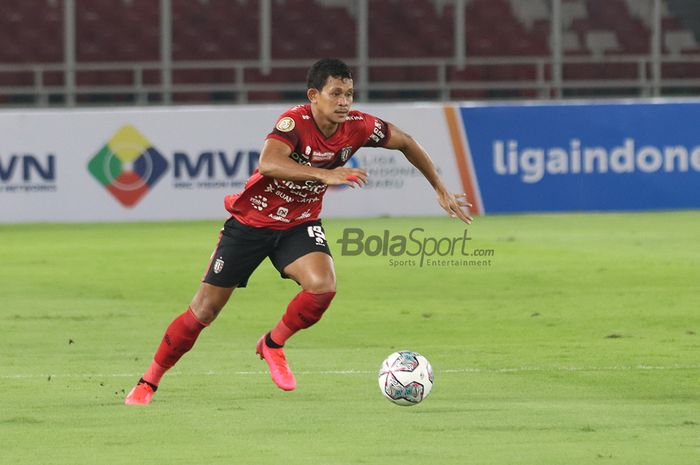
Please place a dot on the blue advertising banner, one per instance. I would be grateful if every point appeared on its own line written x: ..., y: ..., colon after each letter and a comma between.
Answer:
x: 582, y: 157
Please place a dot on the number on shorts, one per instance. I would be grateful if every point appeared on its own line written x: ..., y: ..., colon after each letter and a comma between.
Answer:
x: 317, y: 232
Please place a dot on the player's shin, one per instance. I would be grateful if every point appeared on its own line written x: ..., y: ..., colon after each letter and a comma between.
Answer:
x: 179, y: 338
x: 305, y: 309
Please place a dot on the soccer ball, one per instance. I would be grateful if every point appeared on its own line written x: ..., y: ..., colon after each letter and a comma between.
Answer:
x: 405, y: 378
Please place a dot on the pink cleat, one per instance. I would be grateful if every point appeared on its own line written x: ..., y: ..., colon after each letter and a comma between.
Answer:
x: 280, y: 373
x: 141, y: 394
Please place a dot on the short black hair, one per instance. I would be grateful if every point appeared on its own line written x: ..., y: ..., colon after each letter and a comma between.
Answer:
x: 325, y: 68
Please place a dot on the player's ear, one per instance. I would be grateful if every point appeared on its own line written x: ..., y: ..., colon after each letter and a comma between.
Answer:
x: 312, y: 95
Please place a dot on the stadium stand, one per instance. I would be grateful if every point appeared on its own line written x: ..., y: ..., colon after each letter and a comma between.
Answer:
x: 31, y: 31
x: 215, y: 30
x: 678, y: 42
x: 530, y: 12
x: 117, y: 31
x: 602, y: 40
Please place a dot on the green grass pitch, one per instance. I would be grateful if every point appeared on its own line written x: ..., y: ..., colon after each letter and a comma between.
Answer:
x: 578, y: 344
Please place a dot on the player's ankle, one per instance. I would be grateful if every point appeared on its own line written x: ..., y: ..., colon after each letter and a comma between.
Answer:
x: 272, y: 344
x: 153, y: 386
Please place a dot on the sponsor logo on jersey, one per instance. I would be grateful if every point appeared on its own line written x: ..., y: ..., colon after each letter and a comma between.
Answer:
x: 301, y: 159
x: 285, y: 197
x: 258, y: 202
x: 322, y: 156
x: 286, y: 124
x: 289, y: 195
x: 281, y: 215
x: 303, y: 190
x: 303, y: 216
x: 279, y: 218
x: 378, y: 134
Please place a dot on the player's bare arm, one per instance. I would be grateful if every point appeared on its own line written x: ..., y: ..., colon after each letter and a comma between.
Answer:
x: 456, y: 205
x: 275, y: 162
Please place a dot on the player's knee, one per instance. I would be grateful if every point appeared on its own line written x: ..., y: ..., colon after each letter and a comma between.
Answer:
x: 320, y: 285
x: 314, y: 312
x: 206, y: 305
x: 307, y: 308
x: 322, y: 300
x: 204, y: 311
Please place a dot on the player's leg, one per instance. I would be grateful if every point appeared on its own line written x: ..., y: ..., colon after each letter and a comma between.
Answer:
x: 315, y: 274
x: 303, y: 256
x: 179, y: 338
x: 184, y: 330
x: 236, y: 256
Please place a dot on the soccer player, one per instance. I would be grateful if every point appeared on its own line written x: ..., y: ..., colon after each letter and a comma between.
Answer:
x: 277, y: 216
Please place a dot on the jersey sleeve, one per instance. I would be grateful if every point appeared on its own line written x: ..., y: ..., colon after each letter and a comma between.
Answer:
x: 285, y: 130
x: 378, y: 132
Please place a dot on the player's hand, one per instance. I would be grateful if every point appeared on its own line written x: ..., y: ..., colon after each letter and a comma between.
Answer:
x: 456, y: 205
x: 353, y: 177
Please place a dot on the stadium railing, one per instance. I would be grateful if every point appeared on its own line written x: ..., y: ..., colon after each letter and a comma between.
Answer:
x: 148, y: 82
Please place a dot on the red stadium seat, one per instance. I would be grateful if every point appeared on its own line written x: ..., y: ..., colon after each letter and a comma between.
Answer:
x: 108, y: 30
x: 333, y: 33
x: 213, y: 30
x: 191, y: 97
x: 468, y: 74
x: 399, y: 29
x: 422, y: 73
x: 388, y: 74
x: 468, y: 94
x: 104, y: 78
x: 53, y: 78
x: 264, y: 96
x: 276, y: 75
x: 33, y: 29
x: 16, y: 78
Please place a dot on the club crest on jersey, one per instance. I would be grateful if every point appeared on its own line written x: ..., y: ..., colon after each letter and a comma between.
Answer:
x: 286, y: 124
x: 218, y: 265
x: 345, y: 153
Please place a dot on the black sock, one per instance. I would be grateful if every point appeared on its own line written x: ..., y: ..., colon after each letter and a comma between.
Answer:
x: 153, y: 386
x: 270, y: 343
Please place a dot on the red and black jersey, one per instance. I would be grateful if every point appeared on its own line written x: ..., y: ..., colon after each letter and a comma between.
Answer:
x: 267, y: 202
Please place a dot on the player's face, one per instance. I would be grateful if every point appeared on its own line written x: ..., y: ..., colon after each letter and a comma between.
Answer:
x: 334, y: 100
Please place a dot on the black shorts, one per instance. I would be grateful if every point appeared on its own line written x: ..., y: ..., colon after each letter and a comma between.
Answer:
x: 242, y: 248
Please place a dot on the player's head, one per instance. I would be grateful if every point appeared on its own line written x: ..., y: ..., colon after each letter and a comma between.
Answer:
x: 325, y: 68
x: 330, y: 89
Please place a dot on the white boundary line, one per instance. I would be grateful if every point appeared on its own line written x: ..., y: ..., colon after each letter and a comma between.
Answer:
x: 524, y: 369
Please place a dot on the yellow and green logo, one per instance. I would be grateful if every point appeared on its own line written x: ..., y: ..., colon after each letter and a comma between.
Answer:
x: 128, y: 166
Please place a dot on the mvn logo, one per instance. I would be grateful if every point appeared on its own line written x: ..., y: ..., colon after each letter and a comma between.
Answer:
x: 128, y: 166
x: 28, y: 164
